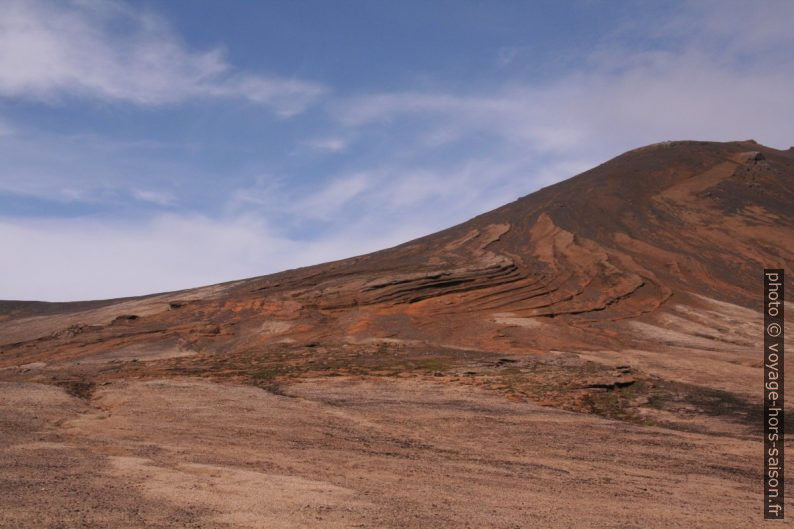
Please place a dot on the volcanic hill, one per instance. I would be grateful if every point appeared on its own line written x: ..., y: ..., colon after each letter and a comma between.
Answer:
x: 628, y: 292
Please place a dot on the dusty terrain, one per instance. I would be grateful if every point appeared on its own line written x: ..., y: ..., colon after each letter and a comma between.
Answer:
x: 586, y: 356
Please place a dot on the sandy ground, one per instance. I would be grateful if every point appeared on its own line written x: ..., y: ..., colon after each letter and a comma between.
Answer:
x: 338, y: 453
x: 403, y: 389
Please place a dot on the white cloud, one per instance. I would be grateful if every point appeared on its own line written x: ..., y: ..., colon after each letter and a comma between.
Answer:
x: 425, y: 197
x: 330, y: 144
x: 682, y: 97
x: 108, y: 50
x: 111, y: 259
x: 726, y: 74
x: 734, y: 28
x: 327, y: 202
x: 158, y: 198
x: 88, y: 168
x: 442, y: 156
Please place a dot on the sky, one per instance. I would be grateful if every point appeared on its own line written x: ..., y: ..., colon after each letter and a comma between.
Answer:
x: 159, y: 145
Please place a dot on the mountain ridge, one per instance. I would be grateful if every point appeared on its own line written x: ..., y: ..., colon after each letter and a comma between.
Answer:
x: 660, y: 249
x: 598, y: 340
x: 552, y: 201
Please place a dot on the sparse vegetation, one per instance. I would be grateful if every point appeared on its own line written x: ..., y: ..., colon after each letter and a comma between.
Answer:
x: 79, y: 388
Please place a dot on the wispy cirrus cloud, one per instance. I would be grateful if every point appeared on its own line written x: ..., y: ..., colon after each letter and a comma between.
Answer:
x: 109, y: 50
x: 87, y: 168
x: 708, y: 70
x: 663, y: 97
x: 159, y: 198
x: 372, y: 168
x: 328, y: 144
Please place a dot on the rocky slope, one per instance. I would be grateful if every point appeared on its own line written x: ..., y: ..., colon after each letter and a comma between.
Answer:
x: 641, y: 251
x: 630, y: 291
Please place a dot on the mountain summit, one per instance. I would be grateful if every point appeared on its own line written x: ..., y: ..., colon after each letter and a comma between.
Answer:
x: 668, y: 224
x: 629, y: 294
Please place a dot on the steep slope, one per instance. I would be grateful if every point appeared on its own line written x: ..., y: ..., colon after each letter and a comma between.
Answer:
x: 417, y: 386
x: 658, y: 250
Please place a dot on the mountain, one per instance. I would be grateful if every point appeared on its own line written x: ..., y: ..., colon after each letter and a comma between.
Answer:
x: 631, y: 291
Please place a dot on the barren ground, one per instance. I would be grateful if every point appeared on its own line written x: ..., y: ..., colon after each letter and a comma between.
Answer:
x: 340, y: 452
x: 587, y: 356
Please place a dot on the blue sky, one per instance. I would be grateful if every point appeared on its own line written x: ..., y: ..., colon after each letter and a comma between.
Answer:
x: 151, y: 146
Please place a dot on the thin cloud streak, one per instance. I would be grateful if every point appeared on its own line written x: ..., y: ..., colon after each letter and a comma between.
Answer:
x: 111, y: 51
x: 401, y: 163
x: 686, y: 97
x: 731, y: 77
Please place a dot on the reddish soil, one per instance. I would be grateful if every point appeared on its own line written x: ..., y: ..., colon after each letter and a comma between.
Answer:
x: 586, y: 356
